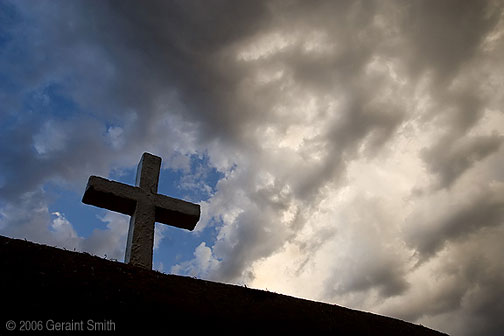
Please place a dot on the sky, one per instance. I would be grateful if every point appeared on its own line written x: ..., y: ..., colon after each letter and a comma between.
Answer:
x: 348, y: 152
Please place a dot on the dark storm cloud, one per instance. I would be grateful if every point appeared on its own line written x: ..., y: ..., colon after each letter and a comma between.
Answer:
x: 449, y: 159
x: 441, y: 36
x: 177, y: 46
x: 129, y: 57
x: 468, y: 291
x: 454, y: 220
x: 120, y: 61
x: 78, y: 141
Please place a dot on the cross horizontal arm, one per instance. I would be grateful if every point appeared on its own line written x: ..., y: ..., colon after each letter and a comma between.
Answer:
x: 111, y: 195
x: 176, y: 212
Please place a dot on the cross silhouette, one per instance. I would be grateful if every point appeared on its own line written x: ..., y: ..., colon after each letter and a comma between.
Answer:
x: 144, y: 205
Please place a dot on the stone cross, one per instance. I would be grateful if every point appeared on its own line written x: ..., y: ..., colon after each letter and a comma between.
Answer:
x: 144, y: 205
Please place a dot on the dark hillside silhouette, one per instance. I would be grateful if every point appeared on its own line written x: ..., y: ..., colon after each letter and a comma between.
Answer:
x: 39, y: 282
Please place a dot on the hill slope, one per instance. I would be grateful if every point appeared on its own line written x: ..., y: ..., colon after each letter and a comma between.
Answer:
x: 42, y: 283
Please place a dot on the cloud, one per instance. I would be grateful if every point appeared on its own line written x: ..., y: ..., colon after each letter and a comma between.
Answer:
x: 62, y: 227
x: 111, y: 242
x: 440, y: 34
x: 458, y: 291
x: 372, y: 264
x: 31, y: 219
x: 202, y: 265
x: 449, y: 160
x: 452, y: 218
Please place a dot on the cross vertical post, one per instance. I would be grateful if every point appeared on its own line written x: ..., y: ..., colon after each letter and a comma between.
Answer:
x: 141, y: 226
